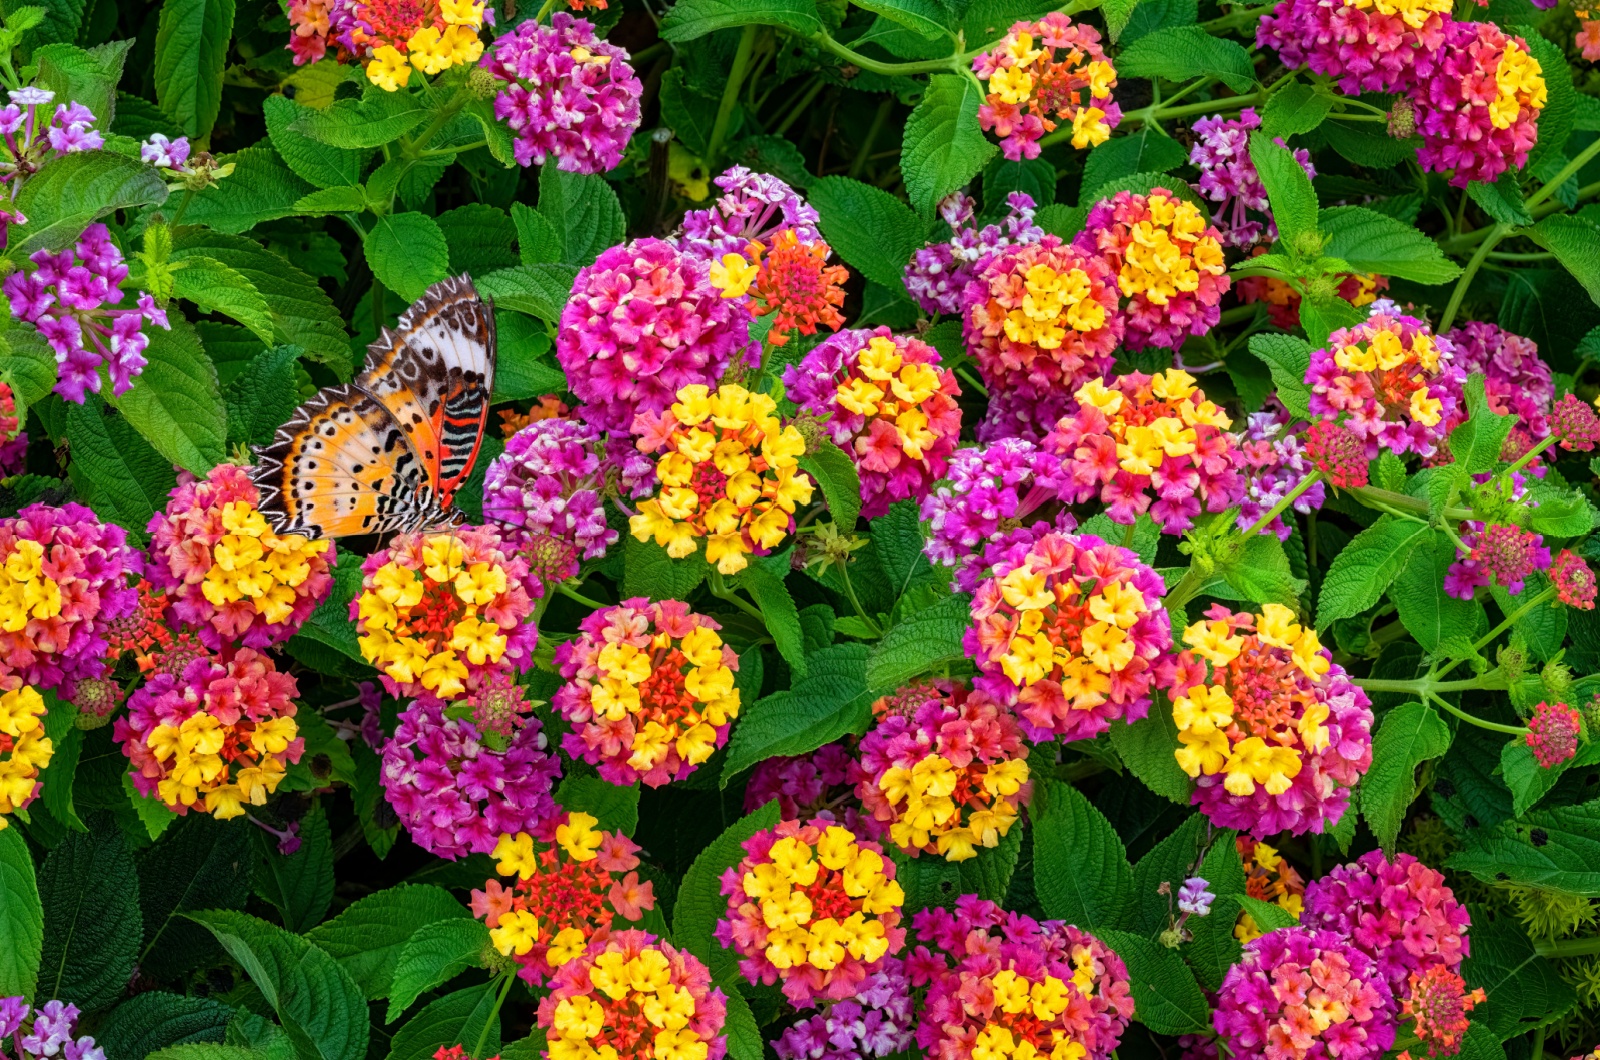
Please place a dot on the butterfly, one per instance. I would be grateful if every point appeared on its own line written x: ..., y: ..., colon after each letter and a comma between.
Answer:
x: 388, y: 451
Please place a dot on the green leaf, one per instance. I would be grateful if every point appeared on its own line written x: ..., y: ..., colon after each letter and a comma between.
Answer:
x: 202, y: 863
x: 690, y: 114
x: 480, y: 238
x: 435, y: 954
x: 176, y: 402
x: 150, y: 811
x: 313, y: 162
x: 870, y: 229
x: 584, y: 212
x: 1294, y: 109
x: 832, y: 700
x: 1269, y: 916
x: 926, y: 17
x: 92, y: 930
x: 21, y: 917
x: 1528, y: 780
x: 1170, y: 862
x: 461, y: 1018
x: 87, y: 76
x: 27, y: 363
x: 1560, y: 513
x: 782, y: 617
x: 1322, y: 316
x: 1525, y: 991
x: 647, y: 570
x: 1288, y: 358
x: 1185, y: 52
x: 700, y: 903
x: 263, y: 396
x: 1560, y: 109
x: 151, y: 1021
x: 261, y: 188
x: 1408, y: 736
x: 1368, y: 143
x: 1544, y: 628
x: 538, y: 290
x: 616, y: 808
x: 1166, y: 997
x: 330, y: 623
x: 113, y: 468
x: 216, y: 287
x: 1146, y: 151
x: 1476, y: 443
x: 943, y: 147
x: 1429, y: 613
x: 1294, y: 204
x: 988, y: 873
x: 691, y: 19
x: 316, y: 1001
x: 71, y: 192
x: 1080, y: 868
x: 1117, y: 14
x: 832, y: 469
x: 364, y: 123
x: 407, y: 252
x: 1260, y: 573
x: 1364, y: 568
x: 1146, y: 747
x: 191, y: 48
x: 928, y: 638
x: 1502, y: 200
x: 1575, y: 242
x: 299, y: 885
x: 207, y: 1051
x: 1374, y: 242
x: 368, y: 938
x: 523, y: 371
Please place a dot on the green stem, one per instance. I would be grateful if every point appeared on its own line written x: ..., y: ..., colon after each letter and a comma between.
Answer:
x: 1553, y: 185
x: 572, y: 594
x: 1127, y: 535
x: 1161, y: 112
x: 1420, y: 686
x: 414, y: 148
x: 720, y: 590
x: 801, y: 106
x: 1526, y: 458
x: 861, y: 612
x: 1492, y: 240
x: 730, y: 95
x: 483, y: 1035
x: 544, y: 12
x: 435, y: 152
x: 1491, y: 726
x: 949, y: 64
x: 865, y: 152
x: 1567, y: 947
x: 1515, y: 617
x: 1397, y: 503
x: 183, y: 204
x: 1283, y: 505
x: 1237, y: 17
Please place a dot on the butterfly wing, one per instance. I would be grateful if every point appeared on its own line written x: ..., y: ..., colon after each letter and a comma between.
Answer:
x: 342, y: 466
x: 434, y: 373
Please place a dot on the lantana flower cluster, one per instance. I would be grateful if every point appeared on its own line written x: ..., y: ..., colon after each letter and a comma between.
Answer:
x: 634, y: 997
x: 457, y: 793
x: 943, y: 770
x: 643, y: 322
x: 1553, y: 733
x: 820, y: 784
x: 63, y: 587
x: 1269, y: 878
x: 814, y: 908
x: 1228, y: 175
x: 1516, y: 380
x: 1498, y: 554
x: 1273, y: 459
x: 71, y: 296
x: 753, y: 208
x: 874, y: 1024
x: 1148, y: 438
x: 888, y: 404
x: 1477, y: 103
x: 1369, y: 45
x: 570, y: 883
x: 788, y: 278
x: 395, y: 38
x: 225, y: 571
x: 24, y: 748
x: 53, y: 1031
x: 438, y: 613
x: 939, y: 272
x: 220, y: 736
x: 649, y: 691
x: 31, y: 140
x: 1002, y: 984
x: 729, y: 472
x: 1395, y: 381
x: 1167, y: 261
x: 1275, y: 734
x: 1067, y: 630
x: 1044, y: 72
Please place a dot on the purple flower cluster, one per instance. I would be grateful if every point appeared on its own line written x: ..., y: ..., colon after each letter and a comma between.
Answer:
x: 752, y: 207
x: 643, y: 322
x: 940, y: 271
x: 1372, y: 46
x: 990, y: 494
x: 1274, y: 461
x: 162, y: 153
x: 551, y: 480
x: 69, y: 298
x: 804, y: 785
x: 876, y: 1023
x: 1516, y: 380
x: 51, y: 1035
x: 569, y: 94
x: 31, y: 142
x: 454, y: 793
x: 1222, y: 151
x: 1499, y: 554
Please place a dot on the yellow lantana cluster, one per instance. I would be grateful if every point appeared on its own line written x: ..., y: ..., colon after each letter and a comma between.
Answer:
x: 1386, y: 352
x: 251, y: 562
x: 1168, y: 251
x: 634, y: 998
x: 930, y: 812
x: 432, y: 48
x: 1520, y: 83
x: 729, y: 473
x: 1414, y: 13
x: 26, y: 592
x: 25, y: 748
x: 1044, y: 1000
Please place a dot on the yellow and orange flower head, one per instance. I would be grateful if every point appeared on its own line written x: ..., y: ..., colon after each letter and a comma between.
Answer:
x: 1168, y: 262
x: 225, y: 571
x: 1066, y: 630
x: 634, y: 997
x: 438, y: 613
x: 24, y: 748
x: 218, y: 738
x: 568, y: 886
x: 944, y: 770
x: 390, y: 38
x: 729, y: 473
x: 1149, y: 438
x: 1269, y: 877
x: 649, y: 691
x: 790, y: 278
x: 813, y: 907
x: 1274, y: 733
x: 1043, y: 73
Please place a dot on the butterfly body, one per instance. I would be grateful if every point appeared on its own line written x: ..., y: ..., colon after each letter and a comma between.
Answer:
x: 388, y: 451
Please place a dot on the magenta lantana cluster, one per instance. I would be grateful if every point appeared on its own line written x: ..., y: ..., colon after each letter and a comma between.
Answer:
x: 1370, y: 46
x: 1477, y: 103
x: 753, y: 207
x: 1516, y: 380
x: 1497, y: 554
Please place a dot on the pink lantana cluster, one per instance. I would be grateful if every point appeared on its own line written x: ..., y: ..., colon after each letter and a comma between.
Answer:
x: 987, y: 502
x: 1477, y: 104
x: 1574, y: 581
x: 1516, y: 380
x: 1301, y: 994
x: 753, y: 208
x: 1274, y: 460
x: 1067, y: 631
x: 1148, y: 439
x: 1496, y: 554
x: 1396, y: 381
x: 887, y: 403
x: 643, y: 322
x: 1002, y: 984
x: 940, y: 272
x: 225, y: 571
x: 1041, y: 319
x: 1167, y: 261
x: 1553, y: 733
x: 63, y: 586
x: 820, y: 784
x: 71, y: 297
x: 1369, y: 45
x: 1227, y: 174
x: 1042, y: 72
x: 454, y: 791
x: 569, y: 94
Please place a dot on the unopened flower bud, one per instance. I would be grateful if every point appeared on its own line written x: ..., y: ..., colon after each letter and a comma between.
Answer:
x: 1402, y: 119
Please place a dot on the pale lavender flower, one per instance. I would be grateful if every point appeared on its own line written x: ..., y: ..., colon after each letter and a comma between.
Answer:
x: 1222, y: 151
x: 163, y: 153
x: 752, y: 207
x: 1195, y: 897
x: 939, y: 272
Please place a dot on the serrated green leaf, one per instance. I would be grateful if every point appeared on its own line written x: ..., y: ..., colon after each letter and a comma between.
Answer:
x: 175, y: 403
x: 1146, y: 747
x: 1166, y: 997
x: 261, y: 188
x: 778, y: 608
x: 1147, y: 150
x: 363, y: 123
x: 1364, y: 568
x: 943, y: 147
x: 464, y: 1017
x: 1528, y: 780
x: 1502, y: 200
x: 1374, y: 242
x: 1260, y: 573
x: 1294, y: 109
x: 538, y: 290
x: 1524, y: 990
x: 299, y: 885
x: 614, y: 807
x: 1288, y: 358
x: 71, y: 192
x: 200, y: 863
x: 92, y: 929
x: 584, y: 212
x: 480, y: 238
x: 925, y: 17
x: 1408, y: 736
x: 647, y: 570
x: 1429, y: 613
x: 156, y: 1020
x: 191, y: 47
x: 1575, y: 241
x: 435, y: 954
x: 1080, y: 867
x: 695, y: 18
x: 316, y: 163
x: 832, y: 469
x: 155, y: 817
x: 1185, y: 52
x: 833, y: 699
x: 262, y: 397
x: 1170, y: 862
x: 1476, y: 443
x: 21, y: 917
x: 927, y: 639
x: 330, y: 623
x: 1320, y: 317
x: 115, y: 469
x: 407, y: 253
x: 870, y: 229
x: 27, y: 363
x: 1294, y: 204
x: 87, y: 76
x: 219, y: 288
x: 1269, y: 916
x: 368, y: 938
x: 1543, y: 628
